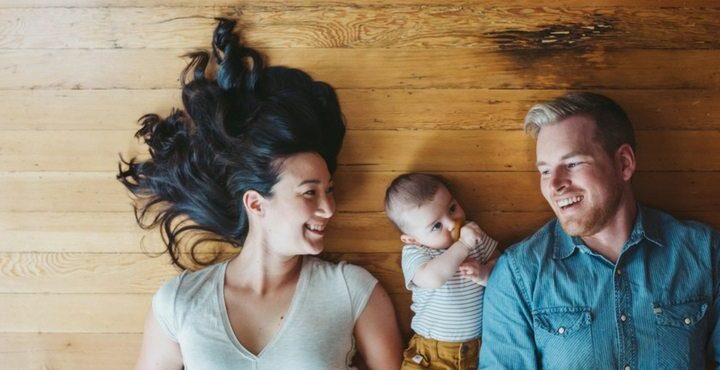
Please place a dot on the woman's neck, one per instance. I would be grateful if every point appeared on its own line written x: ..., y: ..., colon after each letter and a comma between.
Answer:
x: 260, y: 270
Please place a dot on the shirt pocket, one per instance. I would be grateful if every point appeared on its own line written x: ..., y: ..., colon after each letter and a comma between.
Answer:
x: 680, y: 329
x: 563, y: 336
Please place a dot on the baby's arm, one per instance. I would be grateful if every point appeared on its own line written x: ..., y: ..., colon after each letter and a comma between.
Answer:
x: 479, y: 271
x: 476, y: 271
x: 436, y: 272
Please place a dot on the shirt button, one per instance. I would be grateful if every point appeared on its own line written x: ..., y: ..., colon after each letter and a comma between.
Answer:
x: 618, y: 271
x: 627, y: 367
x: 687, y: 321
x: 623, y: 318
x: 561, y: 330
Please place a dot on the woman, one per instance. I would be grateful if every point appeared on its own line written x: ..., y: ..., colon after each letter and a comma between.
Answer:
x: 249, y: 162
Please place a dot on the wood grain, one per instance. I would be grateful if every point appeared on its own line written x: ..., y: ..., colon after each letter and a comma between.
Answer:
x: 363, y: 150
x: 358, y: 192
x: 69, y: 351
x: 378, y: 68
x: 365, y: 109
x: 423, y: 26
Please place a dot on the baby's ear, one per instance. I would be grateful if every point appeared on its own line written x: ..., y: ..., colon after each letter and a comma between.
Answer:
x: 407, y: 239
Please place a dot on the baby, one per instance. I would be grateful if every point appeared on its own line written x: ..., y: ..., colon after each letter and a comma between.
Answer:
x: 446, y: 263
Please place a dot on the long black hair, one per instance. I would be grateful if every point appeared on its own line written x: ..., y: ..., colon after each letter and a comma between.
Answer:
x: 234, y: 127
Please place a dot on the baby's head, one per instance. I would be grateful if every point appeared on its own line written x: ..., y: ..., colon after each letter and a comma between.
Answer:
x: 423, y: 210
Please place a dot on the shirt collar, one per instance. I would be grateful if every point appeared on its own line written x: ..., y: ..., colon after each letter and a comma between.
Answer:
x: 645, y: 227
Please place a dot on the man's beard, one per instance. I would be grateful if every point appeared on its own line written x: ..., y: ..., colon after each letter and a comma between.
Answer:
x: 595, y: 218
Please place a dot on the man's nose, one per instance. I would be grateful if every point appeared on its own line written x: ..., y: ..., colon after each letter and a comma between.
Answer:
x: 559, y: 181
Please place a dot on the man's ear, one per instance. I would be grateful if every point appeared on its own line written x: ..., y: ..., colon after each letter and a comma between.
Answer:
x: 625, y: 157
x: 254, y: 203
x: 407, y: 239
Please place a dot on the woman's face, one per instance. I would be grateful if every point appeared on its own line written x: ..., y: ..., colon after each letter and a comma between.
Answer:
x: 301, y: 206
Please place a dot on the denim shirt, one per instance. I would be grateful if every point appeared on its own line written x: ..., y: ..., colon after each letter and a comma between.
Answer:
x: 553, y: 303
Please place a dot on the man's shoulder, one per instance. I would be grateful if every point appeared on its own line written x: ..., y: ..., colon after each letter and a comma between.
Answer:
x: 670, y: 229
x: 534, y: 251
x: 536, y: 247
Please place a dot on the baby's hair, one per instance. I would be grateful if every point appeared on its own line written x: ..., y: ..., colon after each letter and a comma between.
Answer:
x: 410, y: 190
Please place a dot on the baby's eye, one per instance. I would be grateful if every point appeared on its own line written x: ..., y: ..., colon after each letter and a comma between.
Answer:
x: 453, y: 208
x: 436, y: 226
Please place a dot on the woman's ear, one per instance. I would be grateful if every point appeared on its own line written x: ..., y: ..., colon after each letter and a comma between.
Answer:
x: 254, y: 203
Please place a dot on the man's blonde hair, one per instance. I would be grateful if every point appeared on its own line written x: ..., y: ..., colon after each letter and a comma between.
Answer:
x: 612, y: 125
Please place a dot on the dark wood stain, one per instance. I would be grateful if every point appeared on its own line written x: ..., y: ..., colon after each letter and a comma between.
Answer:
x: 574, y: 36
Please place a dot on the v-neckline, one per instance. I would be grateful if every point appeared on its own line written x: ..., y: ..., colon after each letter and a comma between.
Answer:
x: 294, y: 302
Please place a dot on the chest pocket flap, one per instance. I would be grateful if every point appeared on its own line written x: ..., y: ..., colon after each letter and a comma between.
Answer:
x: 681, y: 314
x: 562, y: 321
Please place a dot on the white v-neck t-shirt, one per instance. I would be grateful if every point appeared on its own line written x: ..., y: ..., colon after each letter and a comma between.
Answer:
x: 316, y: 335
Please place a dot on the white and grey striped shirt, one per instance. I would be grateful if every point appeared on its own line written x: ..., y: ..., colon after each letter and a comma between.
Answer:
x: 453, y: 312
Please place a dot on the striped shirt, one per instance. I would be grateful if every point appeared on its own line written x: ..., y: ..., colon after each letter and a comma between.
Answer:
x: 453, y: 312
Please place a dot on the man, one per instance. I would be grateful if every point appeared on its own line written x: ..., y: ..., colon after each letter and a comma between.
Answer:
x: 609, y: 283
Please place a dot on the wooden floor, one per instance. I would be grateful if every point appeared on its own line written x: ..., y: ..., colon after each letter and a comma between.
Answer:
x: 426, y: 86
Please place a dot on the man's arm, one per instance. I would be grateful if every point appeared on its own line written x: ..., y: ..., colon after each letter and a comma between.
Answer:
x: 714, y: 340
x: 507, y: 338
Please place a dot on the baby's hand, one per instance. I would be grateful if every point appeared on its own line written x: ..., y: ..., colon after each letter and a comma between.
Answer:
x: 470, y: 235
x: 477, y: 272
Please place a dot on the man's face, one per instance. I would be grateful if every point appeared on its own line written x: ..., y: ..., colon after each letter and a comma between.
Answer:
x: 578, y: 178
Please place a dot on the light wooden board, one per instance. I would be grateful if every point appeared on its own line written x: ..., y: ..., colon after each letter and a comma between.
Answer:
x: 97, y: 313
x: 364, y: 109
x: 351, y: 26
x: 321, y: 3
x: 365, y: 150
x: 69, y: 351
x: 357, y: 191
x: 116, y: 232
x: 377, y: 68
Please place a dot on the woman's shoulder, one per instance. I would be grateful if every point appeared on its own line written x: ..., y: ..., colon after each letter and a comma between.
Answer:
x: 354, y: 278
x: 339, y: 269
x: 190, y: 283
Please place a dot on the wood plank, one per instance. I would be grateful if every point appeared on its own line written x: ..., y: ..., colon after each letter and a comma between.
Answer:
x: 99, y: 313
x: 97, y: 232
x: 366, y: 150
x: 323, y: 3
x: 87, y: 273
x: 116, y: 232
x: 358, y: 192
x: 352, y: 26
x: 379, y: 68
x: 63, y: 313
x: 365, y: 109
x: 114, y: 273
x: 83, y: 109
x: 67, y: 191
x: 69, y: 351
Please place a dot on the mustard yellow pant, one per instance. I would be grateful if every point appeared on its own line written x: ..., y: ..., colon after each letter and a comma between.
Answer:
x: 424, y: 353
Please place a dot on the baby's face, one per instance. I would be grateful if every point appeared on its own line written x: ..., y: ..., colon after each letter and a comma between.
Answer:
x: 432, y: 223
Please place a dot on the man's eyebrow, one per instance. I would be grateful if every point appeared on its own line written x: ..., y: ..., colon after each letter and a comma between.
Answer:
x: 566, y: 156
x: 576, y: 153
